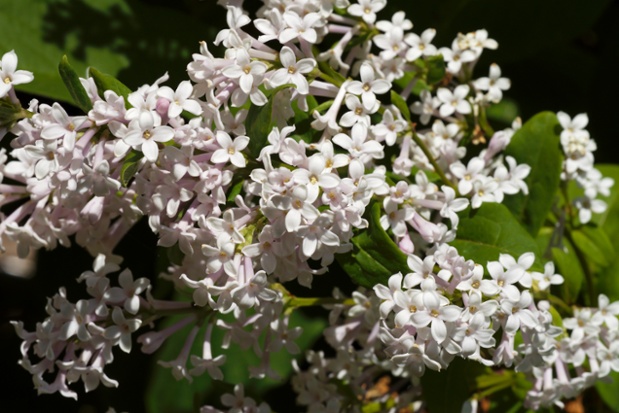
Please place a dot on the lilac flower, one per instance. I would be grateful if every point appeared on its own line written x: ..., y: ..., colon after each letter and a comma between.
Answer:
x: 9, y: 76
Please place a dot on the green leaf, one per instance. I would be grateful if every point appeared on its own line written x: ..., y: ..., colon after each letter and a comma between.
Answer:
x: 609, y: 220
x: 108, y: 82
x: 302, y: 122
x: 537, y: 145
x: 505, y: 111
x: 399, y: 102
x: 165, y: 394
x: 74, y: 86
x: 130, y: 167
x: 595, y: 245
x: 259, y: 123
x: 375, y: 257
x: 447, y: 390
x: 435, y: 69
x: 609, y: 392
x: 608, y: 278
x: 566, y: 264
x: 491, y: 230
x: 42, y: 31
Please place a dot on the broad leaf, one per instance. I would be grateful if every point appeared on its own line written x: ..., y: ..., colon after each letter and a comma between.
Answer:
x: 375, y: 257
x: 491, y: 230
x: 108, y: 82
x: 594, y: 243
x: 115, y: 36
x: 435, y: 69
x: 131, y: 164
x: 259, y: 123
x: 302, y: 122
x: 74, y: 86
x: 608, y: 278
x: 566, y: 264
x: 505, y: 111
x: 609, y: 392
x: 446, y: 391
x: 537, y: 145
x: 609, y: 220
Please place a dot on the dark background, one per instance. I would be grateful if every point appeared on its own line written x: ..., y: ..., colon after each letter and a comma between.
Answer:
x: 559, y: 55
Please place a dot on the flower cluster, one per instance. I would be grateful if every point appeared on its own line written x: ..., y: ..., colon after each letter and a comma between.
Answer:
x: 262, y: 169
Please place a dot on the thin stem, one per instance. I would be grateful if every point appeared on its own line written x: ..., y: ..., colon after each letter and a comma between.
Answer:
x: 318, y: 301
x: 557, y: 302
x: 431, y: 159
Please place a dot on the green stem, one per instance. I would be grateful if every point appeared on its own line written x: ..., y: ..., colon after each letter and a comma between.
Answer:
x: 483, y: 123
x: 493, y: 389
x: 557, y: 302
x: 297, y: 302
x: 431, y: 159
x: 319, y: 73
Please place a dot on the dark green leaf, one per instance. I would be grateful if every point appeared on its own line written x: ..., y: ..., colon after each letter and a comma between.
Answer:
x: 446, y: 391
x: 595, y: 245
x: 131, y: 164
x: 375, y: 257
x: 566, y: 264
x: 303, y: 122
x: 608, y: 281
x: 74, y: 86
x: 107, y: 82
x: 537, y: 145
x: 259, y: 123
x: 505, y: 111
x: 236, y: 189
x: 609, y: 220
x: 608, y: 278
x: 399, y: 102
x: 435, y: 69
x: 491, y: 230
x: 110, y: 35
x: 609, y: 392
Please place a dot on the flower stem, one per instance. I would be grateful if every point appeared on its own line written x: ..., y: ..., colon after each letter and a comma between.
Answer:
x: 431, y: 159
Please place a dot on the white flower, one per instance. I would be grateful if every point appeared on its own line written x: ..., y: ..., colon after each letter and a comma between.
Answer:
x: 366, y: 9
x: 420, y: 46
x: 300, y: 27
x: 494, y: 84
x: 143, y: 134
x: 454, y: 101
x: 121, y: 331
x: 128, y: 293
x: 180, y: 99
x: 230, y: 150
x: 368, y: 87
x: 9, y: 76
x: 292, y: 71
